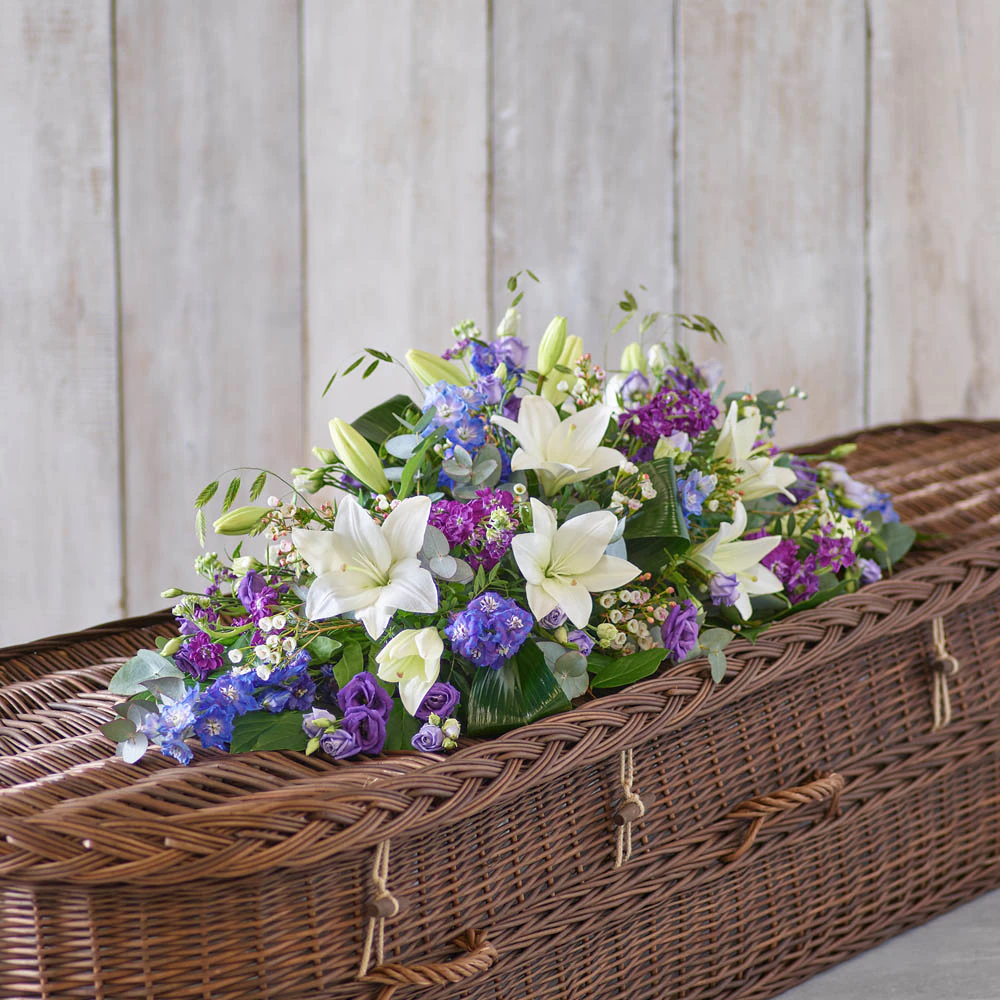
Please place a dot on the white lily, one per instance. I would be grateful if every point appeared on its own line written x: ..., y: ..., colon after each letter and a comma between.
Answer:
x: 412, y: 660
x: 724, y: 553
x: 564, y: 564
x: 759, y: 476
x: 366, y: 568
x: 561, y: 452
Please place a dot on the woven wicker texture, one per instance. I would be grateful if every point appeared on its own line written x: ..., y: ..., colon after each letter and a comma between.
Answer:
x: 804, y: 810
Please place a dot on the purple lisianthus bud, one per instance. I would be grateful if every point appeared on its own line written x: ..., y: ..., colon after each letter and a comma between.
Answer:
x: 553, y: 619
x: 339, y: 743
x: 870, y: 571
x: 367, y: 726
x: 512, y: 407
x: 635, y: 385
x: 428, y: 738
x: 440, y: 700
x: 583, y: 642
x: 512, y: 351
x: 724, y: 589
x: 680, y: 630
x: 310, y: 722
x: 363, y: 691
x: 491, y: 388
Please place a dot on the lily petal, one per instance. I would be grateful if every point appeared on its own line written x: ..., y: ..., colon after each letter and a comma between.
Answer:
x: 406, y: 525
x: 573, y: 597
x: 580, y: 542
x: 609, y: 573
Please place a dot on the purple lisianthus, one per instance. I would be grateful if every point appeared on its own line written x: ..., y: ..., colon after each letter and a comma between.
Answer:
x: 367, y: 726
x: 680, y: 630
x: 428, y: 738
x: 553, y: 619
x: 199, y: 656
x: 491, y: 388
x: 512, y: 351
x: 363, y: 691
x: 870, y: 571
x: 635, y: 387
x: 724, y: 589
x: 311, y: 719
x: 583, y: 642
x: 256, y: 595
x: 440, y: 700
x: 339, y: 743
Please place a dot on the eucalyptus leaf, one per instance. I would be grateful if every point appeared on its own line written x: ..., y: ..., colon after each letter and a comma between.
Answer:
x: 443, y: 566
x: 898, y: 539
x: 403, y: 445
x: 717, y: 662
x: 583, y: 507
x: 145, y: 665
x: 521, y: 691
x: 435, y: 542
x: 570, y: 671
x: 119, y: 730
x: 132, y: 749
x: 171, y: 688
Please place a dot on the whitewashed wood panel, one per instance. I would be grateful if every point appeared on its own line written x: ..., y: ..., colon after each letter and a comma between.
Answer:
x: 210, y: 261
x: 935, y: 222
x: 583, y: 160
x: 772, y: 197
x: 396, y: 167
x: 58, y: 363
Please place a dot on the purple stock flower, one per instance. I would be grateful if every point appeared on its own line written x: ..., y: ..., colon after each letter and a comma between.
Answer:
x: 798, y: 576
x: 367, y: 726
x: 339, y: 743
x: 440, y: 700
x: 486, y: 525
x: 256, y: 596
x: 680, y: 630
x: 833, y: 553
x: 724, y: 589
x: 870, y: 571
x: 806, y: 479
x: 553, y: 619
x: 363, y: 691
x: 428, y: 739
x: 690, y: 410
x: 199, y: 656
x: 583, y: 642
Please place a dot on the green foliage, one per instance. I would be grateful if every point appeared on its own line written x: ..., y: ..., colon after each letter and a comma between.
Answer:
x: 322, y: 648
x: 268, y: 731
x: 146, y: 665
x: 352, y: 661
x: 521, y: 691
x: 206, y: 494
x: 618, y: 671
x: 383, y: 421
x: 400, y: 729
x: 231, y: 492
x: 658, y: 531
x: 896, y: 539
x: 257, y: 486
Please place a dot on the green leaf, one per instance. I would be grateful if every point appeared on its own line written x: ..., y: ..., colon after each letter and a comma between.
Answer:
x: 199, y: 526
x: 326, y: 388
x: 380, y: 421
x: 521, y: 691
x: 715, y: 639
x: 414, y: 462
x: 611, y: 672
x: 354, y: 364
x: 231, y: 491
x: 370, y: 369
x: 717, y: 661
x: 119, y: 730
x: 352, y: 662
x: 206, y: 494
x: 257, y: 487
x: 898, y: 538
x: 512, y: 283
x: 322, y: 648
x: 144, y: 666
x: 660, y: 518
x: 268, y: 731
x: 401, y: 728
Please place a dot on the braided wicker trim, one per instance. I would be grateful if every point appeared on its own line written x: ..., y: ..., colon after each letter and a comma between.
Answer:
x: 110, y: 837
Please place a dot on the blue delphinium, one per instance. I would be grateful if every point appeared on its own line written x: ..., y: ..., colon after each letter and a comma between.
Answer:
x: 490, y: 630
x: 214, y: 726
x: 233, y: 691
x: 694, y: 491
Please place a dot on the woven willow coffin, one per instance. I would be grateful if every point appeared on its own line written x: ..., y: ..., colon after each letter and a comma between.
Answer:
x: 675, y: 839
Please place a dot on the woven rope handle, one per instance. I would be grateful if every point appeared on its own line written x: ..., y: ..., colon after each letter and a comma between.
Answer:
x: 823, y: 788
x: 480, y: 956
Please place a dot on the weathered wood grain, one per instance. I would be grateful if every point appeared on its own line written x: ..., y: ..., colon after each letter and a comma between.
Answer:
x: 935, y: 215
x: 583, y: 157
x: 210, y: 261
x: 772, y: 197
x: 396, y: 166
x: 59, y: 445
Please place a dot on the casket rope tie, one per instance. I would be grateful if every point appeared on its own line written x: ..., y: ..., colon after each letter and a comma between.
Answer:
x: 631, y: 808
x: 945, y: 666
x: 384, y: 904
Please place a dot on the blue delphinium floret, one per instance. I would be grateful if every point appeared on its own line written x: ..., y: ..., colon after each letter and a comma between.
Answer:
x: 214, y: 725
x: 233, y: 691
x: 694, y: 491
x: 490, y: 630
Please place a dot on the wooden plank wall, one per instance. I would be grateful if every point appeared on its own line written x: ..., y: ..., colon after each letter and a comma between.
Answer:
x: 208, y: 205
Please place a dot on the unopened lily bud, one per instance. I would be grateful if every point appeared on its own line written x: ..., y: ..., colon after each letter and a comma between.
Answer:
x: 551, y: 346
x: 173, y: 592
x: 358, y: 455
x: 556, y: 390
x: 571, y: 352
x: 561, y: 635
x: 657, y: 357
x: 244, y: 564
x: 240, y: 521
x: 326, y: 455
x: 429, y: 368
x: 510, y: 323
x: 501, y: 372
x: 633, y: 359
x: 171, y: 647
x: 842, y: 450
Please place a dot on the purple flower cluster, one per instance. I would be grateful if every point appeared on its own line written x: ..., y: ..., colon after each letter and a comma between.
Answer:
x: 490, y: 630
x: 680, y: 630
x: 484, y: 525
x: 366, y: 707
x: 690, y: 410
x: 510, y: 351
x: 457, y: 410
x: 257, y: 596
x: 798, y: 576
x: 199, y: 656
x: 441, y: 700
x: 833, y: 553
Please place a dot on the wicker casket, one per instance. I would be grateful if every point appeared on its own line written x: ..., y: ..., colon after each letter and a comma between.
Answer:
x: 675, y: 839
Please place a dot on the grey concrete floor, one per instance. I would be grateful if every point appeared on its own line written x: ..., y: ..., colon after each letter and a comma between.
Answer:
x: 956, y: 957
